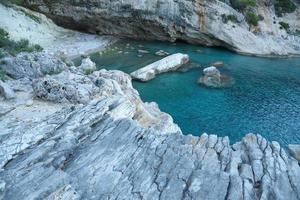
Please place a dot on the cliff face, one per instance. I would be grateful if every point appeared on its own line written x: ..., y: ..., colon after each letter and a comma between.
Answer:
x: 257, y: 29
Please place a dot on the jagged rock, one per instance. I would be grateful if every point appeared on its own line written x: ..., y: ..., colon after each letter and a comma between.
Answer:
x: 213, y: 78
x: 65, y: 87
x: 32, y: 65
x: 87, y: 65
x: 114, y: 146
x: 196, y: 22
x: 6, y: 91
x: 170, y: 63
x: 86, y: 153
x: 295, y: 151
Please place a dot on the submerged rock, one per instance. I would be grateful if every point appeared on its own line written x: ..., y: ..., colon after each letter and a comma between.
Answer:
x: 170, y: 63
x: 161, y: 53
x: 218, y: 64
x: 213, y: 78
x: 143, y: 51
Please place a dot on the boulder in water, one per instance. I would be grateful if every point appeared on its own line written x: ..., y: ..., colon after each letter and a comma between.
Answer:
x: 213, y: 78
x: 218, y: 64
x: 170, y: 63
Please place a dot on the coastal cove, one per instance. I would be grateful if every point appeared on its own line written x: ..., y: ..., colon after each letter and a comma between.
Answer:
x: 264, y: 99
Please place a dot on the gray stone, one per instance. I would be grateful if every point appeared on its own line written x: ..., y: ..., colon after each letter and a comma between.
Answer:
x: 6, y: 91
x: 295, y: 151
x: 212, y: 78
x: 87, y: 65
x: 32, y: 65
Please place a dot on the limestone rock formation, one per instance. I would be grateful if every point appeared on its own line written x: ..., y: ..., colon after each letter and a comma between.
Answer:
x: 114, y: 146
x: 167, y: 64
x: 213, y: 78
x: 32, y: 65
x: 87, y: 65
x: 212, y: 23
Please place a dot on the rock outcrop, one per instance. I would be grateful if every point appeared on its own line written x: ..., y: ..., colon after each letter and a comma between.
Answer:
x: 212, y: 23
x: 32, y: 65
x: 87, y: 65
x: 114, y: 146
x: 167, y: 64
x: 213, y: 78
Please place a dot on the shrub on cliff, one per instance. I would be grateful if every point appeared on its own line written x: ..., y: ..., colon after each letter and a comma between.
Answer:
x: 284, y: 6
x: 226, y: 18
x: 242, y: 4
x: 253, y: 19
x: 284, y: 25
x: 15, y: 47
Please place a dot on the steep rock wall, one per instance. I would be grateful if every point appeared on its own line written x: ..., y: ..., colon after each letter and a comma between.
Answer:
x: 194, y: 21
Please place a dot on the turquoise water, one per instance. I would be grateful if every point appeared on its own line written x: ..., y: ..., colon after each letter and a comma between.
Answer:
x: 265, y: 98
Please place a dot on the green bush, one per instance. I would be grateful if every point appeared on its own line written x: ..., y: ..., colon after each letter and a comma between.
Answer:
x: 226, y: 18
x: 284, y: 25
x: 2, y: 75
x: 284, y: 6
x: 4, y: 38
x: 17, y: 2
x: 15, y: 47
x: 252, y: 18
x: 242, y: 4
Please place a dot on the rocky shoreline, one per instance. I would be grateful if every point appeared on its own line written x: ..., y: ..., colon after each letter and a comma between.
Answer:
x: 69, y: 133
x: 78, y: 136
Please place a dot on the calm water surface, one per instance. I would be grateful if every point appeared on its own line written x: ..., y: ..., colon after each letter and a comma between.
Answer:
x: 265, y: 98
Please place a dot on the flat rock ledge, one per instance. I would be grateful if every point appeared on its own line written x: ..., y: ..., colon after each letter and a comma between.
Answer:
x: 103, y: 148
x: 167, y: 64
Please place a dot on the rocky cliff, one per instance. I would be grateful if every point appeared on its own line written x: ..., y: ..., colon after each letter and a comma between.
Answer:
x: 259, y: 27
x: 67, y: 135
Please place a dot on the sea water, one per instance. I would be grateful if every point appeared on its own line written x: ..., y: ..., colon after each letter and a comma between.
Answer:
x: 264, y: 99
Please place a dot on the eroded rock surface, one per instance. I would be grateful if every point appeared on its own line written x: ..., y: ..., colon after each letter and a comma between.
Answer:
x: 167, y: 64
x: 32, y: 65
x: 114, y: 146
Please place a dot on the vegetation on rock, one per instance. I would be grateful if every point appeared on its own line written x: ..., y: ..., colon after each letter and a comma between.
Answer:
x: 242, y: 4
x: 15, y: 47
x: 253, y: 19
x: 284, y: 6
x: 284, y: 25
x: 227, y: 18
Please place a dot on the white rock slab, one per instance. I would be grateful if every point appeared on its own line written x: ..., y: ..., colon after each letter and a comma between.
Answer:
x: 169, y: 63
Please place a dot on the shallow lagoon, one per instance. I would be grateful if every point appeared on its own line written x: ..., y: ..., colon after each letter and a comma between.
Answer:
x: 265, y: 98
